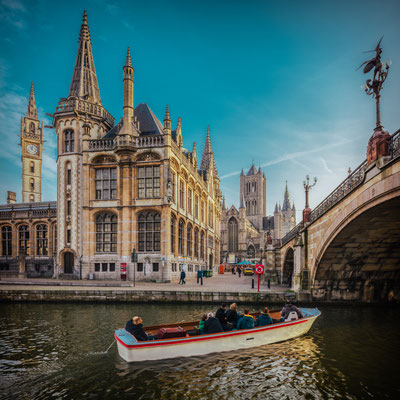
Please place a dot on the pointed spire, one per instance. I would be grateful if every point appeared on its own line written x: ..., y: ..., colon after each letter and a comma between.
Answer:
x: 207, y: 159
x: 84, y: 79
x: 179, y: 137
x: 242, y: 173
x: 194, y: 155
x: 276, y: 207
x: 242, y: 202
x: 286, y: 201
x: 259, y: 170
x: 128, y: 126
x: 293, y: 207
x: 31, y: 111
x: 223, y: 203
x: 128, y: 62
x: 167, y: 119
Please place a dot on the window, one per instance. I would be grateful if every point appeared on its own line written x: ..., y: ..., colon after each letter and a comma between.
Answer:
x: 68, y: 207
x: 189, y: 240
x: 181, y: 194
x: 190, y: 268
x: 190, y: 201
x: 174, y: 187
x: 173, y: 268
x: 32, y: 167
x: 6, y: 240
x: 106, y: 183
x: 202, y: 245
x: 69, y: 141
x: 180, y: 236
x: 42, y: 246
x: 106, y: 233
x: 202, y: 211
x: 155, y: 267
x: 139, y: 267
x: 149, y: 231
x: 251, y: 253
x: 105, y: 267
x: 112, y: 267
x: 232, y: 235
x: 196, y: 206
x: 32, y: 127
x: 68, y: 235
x: 97, y: 267
x: 31, y: 198
x: 173, y: 233
x: 55, y: 238
x: 196, y: 243
x: 32, y: 183
x: 23, y: 239
x: 149, y: 182
x: 68, y: 173
x: 210, y: 215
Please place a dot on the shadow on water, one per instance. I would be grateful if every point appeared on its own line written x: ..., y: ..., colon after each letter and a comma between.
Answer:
x: 59, y: 351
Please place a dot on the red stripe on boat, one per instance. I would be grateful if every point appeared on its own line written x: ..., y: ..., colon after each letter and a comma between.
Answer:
x: 206, y: 337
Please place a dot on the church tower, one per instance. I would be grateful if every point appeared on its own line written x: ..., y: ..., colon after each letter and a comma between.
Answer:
x: 31, y: 142
x: 253, y: 191
x: 78, y: 118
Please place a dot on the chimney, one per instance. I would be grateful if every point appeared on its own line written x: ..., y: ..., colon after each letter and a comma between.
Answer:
x: 11, y: 197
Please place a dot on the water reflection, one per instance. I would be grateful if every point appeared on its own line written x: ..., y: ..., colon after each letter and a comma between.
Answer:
x: 50, y: 351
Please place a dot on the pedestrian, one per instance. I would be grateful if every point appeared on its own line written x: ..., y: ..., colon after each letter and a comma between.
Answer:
x: 233, y: 270
x: 183, y: 276
x: 199, y: 276
x: 239, y: 271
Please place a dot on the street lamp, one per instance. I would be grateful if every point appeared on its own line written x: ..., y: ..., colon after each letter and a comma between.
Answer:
x: 307, y: 188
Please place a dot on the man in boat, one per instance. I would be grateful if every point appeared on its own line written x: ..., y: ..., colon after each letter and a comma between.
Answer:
x: 135, y: 327
x: 212, y: 324
x: 221, y: 315
x: 232, y: 315
x: 264, y: 318
x: 246, y: 321
x: 289, y: 307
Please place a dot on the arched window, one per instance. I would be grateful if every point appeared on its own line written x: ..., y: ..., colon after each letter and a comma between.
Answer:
x: 202, y: 245
x: 149, y: 231
x: 251, y: 253
x: 32, y: 167
x: 68, y: 176
x: 180, y: 236
x: 232, y: 235
x: 23, y: 239
x: 173, y: 233
x: 42, y: 242
x: 31, y: 198
x: 189, y: 240
x: 69, y: 141
x: 6, y: 240
x: 32, y: 127
x: 196, y: 243
x: 32, y: 183
x: 106, y: 233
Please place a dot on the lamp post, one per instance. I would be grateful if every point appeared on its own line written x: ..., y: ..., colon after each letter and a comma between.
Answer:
x: 307, y: 188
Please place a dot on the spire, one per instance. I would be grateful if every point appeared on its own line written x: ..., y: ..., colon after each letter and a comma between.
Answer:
x: 259, y: 170
x: 223, y: 203
x: 293, y: 207
x: 242, y: 203
x: 207, y: 159
x: 31, y: 112
x: 276, y: 207
x: 194, y: 155
x: 242, y: 173
x: 167, y: 119
x: 84, y: 79
x: 286, y: 201
x: 128, y: 62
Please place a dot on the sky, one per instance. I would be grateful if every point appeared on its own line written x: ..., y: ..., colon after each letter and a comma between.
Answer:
x: 276, y: 81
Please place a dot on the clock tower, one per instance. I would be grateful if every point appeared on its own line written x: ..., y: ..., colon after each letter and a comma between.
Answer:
x: 31, y: 156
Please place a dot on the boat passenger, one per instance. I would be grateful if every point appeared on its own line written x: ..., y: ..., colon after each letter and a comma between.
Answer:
x: 287, y: 308
x: 135, y: 328
x: 232, y: 315
x: 221, y: 315
x: 212, y: 324
x: 201, y: 323
x: 246, y: 321
x: 264, y: 318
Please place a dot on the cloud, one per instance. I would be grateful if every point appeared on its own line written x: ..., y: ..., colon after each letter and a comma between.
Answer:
x: 14, y: 5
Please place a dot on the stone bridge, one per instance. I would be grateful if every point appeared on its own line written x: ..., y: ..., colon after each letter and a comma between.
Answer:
x: 348, y: 249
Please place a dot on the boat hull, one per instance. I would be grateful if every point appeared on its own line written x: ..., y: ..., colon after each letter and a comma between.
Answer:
x: 132, y: 351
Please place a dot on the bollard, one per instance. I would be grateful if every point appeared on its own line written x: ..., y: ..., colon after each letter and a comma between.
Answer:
x: 252, y: 283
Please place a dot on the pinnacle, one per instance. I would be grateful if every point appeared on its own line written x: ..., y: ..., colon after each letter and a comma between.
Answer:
x: 167, y: 116
x: 31, y: 110
x: 128, y: 62
x: 84, y: 34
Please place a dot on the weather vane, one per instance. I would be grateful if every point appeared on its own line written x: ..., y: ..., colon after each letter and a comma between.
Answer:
x: 374, y: 86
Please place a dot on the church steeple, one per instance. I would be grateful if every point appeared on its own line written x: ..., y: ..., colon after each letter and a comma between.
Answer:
x: 286, y: 201
x: 84, y: 79
x: 31, y: 112
x: 207, y: 159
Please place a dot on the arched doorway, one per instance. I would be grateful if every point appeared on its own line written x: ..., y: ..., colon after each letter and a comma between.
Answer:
x: 211, y: 262
x: 288, y: 268
x: 251, y: 252
x: 68, y: 262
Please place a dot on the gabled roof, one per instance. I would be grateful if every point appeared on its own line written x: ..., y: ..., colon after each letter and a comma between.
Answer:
x: 252, y: 171
x: 148, y: 122
x: 233, y: 210
x: 113, y: 131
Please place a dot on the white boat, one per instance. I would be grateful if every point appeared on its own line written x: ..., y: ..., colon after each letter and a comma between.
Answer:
x: 132, y: 350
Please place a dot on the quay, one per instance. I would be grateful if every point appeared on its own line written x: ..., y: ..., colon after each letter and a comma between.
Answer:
x: 220, y: 288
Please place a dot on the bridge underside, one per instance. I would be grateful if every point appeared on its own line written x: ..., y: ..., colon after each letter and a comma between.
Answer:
x: 363, y: 261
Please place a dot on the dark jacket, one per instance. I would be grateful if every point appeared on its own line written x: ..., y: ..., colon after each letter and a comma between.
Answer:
x: 212, y: 325
x: 136, y: 330
x: 245, y: 322
x: 287, y: 308
x: 221, y: 315
x: 264, y: 319
x: 183, y: 274
x: 199, y: 273
x: 232, y: 316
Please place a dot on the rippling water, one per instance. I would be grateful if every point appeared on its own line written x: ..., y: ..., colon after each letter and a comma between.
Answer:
x: 57, y: 351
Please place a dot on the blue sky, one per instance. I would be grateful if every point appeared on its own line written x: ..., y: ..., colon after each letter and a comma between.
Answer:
x: 275, y: 80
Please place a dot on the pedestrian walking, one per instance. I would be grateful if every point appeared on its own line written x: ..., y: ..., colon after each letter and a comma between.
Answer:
x: 200, y: 276
x: 183, y: 276
x: 239, y: 271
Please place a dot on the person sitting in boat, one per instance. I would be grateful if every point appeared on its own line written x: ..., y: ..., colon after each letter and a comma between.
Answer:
x: 232, y: 315
x: 264, y: 318
x: 135, y: 327
x: 287, y: 308
x: 246, y: 321
x: 201, y: 323
x: 212, y: 324
x: 221, y: 315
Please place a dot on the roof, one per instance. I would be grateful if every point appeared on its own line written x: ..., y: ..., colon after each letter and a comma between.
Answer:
x: 148, y: 122
x: 252, y: 171
x: 268, y: 223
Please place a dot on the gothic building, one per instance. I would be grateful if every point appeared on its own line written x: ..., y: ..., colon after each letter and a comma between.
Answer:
x: 130, y: 185
x: 247, y: 232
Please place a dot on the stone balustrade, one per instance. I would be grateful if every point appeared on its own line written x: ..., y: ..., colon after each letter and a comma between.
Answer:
x: 126, y: 141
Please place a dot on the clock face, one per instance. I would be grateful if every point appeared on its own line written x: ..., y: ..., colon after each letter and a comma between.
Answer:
x: 31, y: 149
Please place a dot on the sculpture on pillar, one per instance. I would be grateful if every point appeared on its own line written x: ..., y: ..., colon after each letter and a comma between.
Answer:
x: 378, y: 144
x: 307, y: 188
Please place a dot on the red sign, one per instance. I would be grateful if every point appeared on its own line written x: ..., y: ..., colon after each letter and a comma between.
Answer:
x: 123, y: 271
x: 259, y: 269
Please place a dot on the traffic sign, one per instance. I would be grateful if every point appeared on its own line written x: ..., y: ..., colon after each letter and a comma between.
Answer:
x: 259, y: 269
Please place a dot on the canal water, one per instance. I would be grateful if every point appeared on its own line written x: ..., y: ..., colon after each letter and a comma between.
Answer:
x: 54, y: 351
